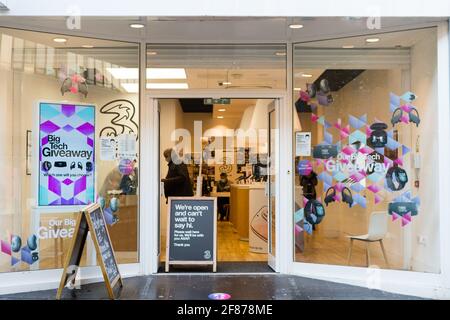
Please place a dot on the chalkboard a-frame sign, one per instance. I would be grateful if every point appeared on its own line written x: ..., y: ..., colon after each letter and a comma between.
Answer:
x: 91, y: 219
x: 191, y: 231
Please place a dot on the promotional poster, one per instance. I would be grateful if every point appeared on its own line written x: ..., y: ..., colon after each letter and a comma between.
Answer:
x: 66, y: 154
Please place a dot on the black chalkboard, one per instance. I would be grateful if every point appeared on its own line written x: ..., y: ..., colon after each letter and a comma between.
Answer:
x: 105, y: 252
x: 191, y: 231
x: 91, y: 219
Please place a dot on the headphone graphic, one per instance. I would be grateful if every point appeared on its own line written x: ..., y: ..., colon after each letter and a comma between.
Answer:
x: 378, y: 137
x: 396, y: 178
x: 413, y: 115
x: 346, y: 196
x: 314, y: 211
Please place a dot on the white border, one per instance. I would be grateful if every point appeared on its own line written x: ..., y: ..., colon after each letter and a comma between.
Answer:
x: 236, y: 8
x: 406, y: 282
x: 35, y: 155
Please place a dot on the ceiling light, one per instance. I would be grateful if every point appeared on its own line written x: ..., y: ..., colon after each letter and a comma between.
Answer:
x: 166, y: 73
x: 226, y: 83
x: 372, y: 40
x: 87, y: 46
x: 222, y: 110
x: 60, y: 40
x: 348, y: 46
x: 124, y: 73
x: 137, y: 25
x: 219, y: 117
x: 167, y: 86
x: 280, y: 54
x: 306, y: 75
x: 152, y: 53
x: 133, y: 87
x: 152, y: 73
x: 295, y: 26
x: 130, y: 87
x: 297, y: 89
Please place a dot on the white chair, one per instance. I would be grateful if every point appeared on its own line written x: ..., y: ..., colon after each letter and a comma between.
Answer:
x: 378, y: 227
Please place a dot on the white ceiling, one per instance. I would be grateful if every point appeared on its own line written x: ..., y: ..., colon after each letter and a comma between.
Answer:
x: 214, y: 29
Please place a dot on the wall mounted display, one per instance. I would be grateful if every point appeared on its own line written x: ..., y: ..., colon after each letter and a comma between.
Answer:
x: 66, y: 154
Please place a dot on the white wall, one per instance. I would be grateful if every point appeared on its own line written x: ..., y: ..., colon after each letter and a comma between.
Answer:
x: 171, y: 117
x: 266, y: 8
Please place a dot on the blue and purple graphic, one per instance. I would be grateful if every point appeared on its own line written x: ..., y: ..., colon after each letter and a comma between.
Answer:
x: 66, y: 154
x: 304, y: 167
x: 219, y: 296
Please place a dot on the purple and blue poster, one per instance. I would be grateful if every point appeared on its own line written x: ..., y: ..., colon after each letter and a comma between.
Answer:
x: 66, y: 154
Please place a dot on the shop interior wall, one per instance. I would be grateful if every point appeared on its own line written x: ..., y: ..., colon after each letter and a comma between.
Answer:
x: 172, y: 117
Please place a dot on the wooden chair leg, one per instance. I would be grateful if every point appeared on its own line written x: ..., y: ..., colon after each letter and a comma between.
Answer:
x: 367, y: 254
x: 350, y: 252
x: 384, y: 253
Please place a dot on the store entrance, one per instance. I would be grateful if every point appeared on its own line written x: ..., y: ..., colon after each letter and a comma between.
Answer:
x: 226, y: 150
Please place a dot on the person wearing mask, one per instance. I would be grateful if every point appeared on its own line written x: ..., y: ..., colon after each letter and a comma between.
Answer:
x: 177, y: 182
x: 223, y: 186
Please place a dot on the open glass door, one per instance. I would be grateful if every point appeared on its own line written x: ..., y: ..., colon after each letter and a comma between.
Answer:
x: 271, y: 182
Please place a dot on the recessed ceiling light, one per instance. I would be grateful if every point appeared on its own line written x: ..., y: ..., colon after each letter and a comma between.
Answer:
x: 226, y: 83
x: 60, y: 40
x: 222, y: 110
x: 295, y: 26
x: 348, y: 46
x: 166, y: 73
x: 297, y: 89
x: 87, y: 46
x: 152, y: 53
x: 124, y: 73
x: 219, y: 117
x: 167, y: 86
x: 280, y: 54
x: 306, y: 75
x: 137, y: 25
x: 372, y: 40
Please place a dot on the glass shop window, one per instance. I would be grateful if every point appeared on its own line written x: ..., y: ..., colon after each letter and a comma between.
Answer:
x: 365, y: 183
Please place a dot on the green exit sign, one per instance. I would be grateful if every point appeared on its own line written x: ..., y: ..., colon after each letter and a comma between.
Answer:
x: 216, y: 101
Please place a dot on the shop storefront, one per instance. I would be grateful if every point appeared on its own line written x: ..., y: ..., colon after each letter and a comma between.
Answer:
x: 355, y: 127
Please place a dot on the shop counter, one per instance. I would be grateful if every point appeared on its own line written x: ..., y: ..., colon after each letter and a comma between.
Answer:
x: 248, y: 214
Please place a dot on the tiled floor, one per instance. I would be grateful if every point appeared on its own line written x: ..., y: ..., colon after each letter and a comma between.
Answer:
x: 198, y: 287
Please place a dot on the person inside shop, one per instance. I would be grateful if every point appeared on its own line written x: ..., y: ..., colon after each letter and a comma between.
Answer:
x: 309, y: 183
x: 112, y: 182
x: 177, y: 182
x: 223, y: 185
x: 129, y: 182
